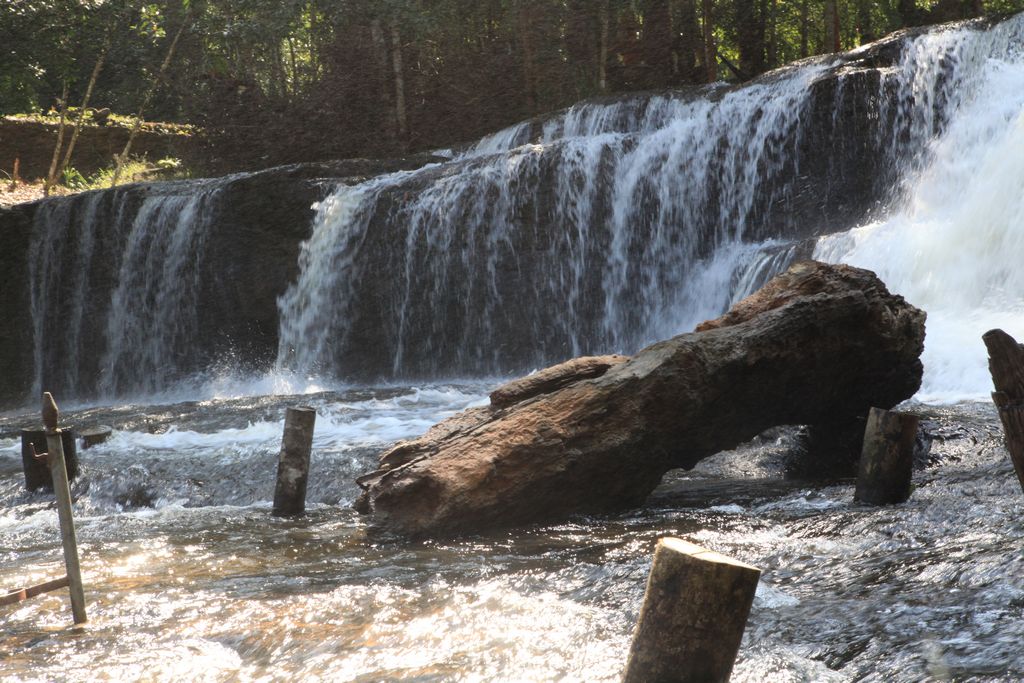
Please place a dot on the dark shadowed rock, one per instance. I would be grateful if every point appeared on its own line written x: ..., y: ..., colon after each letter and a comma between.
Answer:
x: 817, y: 344
x: 15, y: 321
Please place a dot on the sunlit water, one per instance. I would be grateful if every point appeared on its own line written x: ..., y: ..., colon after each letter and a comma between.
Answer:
x: 189, y: 577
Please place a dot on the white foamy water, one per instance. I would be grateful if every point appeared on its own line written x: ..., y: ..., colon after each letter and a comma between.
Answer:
x: 953, y: 245
x: 618, y: 225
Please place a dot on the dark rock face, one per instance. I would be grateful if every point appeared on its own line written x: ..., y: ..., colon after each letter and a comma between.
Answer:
x: 253, y: 228
x: 817, y: 343
x: 15, y: 320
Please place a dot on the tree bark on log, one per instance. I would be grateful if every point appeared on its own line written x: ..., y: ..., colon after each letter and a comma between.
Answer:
x: 1006, y: 364
x: 817, y: 343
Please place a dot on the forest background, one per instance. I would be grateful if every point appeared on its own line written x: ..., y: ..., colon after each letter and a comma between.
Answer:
x: 271, y: 82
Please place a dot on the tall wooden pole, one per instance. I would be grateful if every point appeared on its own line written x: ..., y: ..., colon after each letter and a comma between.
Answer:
x: 63, y: 492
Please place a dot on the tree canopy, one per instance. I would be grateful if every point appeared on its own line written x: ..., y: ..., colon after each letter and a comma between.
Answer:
x: 273, y: 81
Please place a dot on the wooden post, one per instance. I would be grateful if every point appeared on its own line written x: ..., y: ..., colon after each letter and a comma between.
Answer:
x: 59, y: 473
x: 887, y: 460
x: 293, y: 464
x: 1006, y: 364
x: 694, y: 612
x: 37, y: 474
x: 93, y: 436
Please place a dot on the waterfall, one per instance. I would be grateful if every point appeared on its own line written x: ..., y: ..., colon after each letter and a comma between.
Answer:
x: 153, y: 316
x: 113, y: 286
x: 56, y: 227
x: 617, y: 225
x: 952, y: 245
x: 598, y: 229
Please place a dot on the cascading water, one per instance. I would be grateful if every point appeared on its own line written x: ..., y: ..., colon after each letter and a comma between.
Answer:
x: 153, y: 313
x: 624, y: 223
x: 56, y: 230
x: 952, y: 246
x: 147, y: 253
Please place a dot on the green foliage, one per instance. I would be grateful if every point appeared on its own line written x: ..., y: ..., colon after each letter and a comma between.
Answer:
x: 73, y: 180
x: 135, y: 170
x: 274, y: 81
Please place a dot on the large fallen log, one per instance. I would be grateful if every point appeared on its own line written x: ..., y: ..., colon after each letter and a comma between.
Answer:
x: 818, y: 344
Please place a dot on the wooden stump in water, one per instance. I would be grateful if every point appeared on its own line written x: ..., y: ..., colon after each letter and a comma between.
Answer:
x: 93, y: 436
x: 37, y: 474
x: 1006, y: 364
x: 887, y: 460
x: 293, y: 465
x: 694, y: 612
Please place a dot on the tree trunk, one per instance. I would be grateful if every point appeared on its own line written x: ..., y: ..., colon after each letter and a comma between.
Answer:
x: 710, y: 49
x: 656, y: 43
x: 85, y: 103
x: 123, y: 156
x: 602, y: 57
x: 383, y: 76
x: 528, y: 58
x: 816, y: 344
x: 805, y: 27
x: 293, y: 462
x: 772, y: 56
x: 750, y: 38
x: 396, y: 60
x: 52, y: 172
x: 908, y: 12
x: 690, y: 47
x: 832, y: 39
x: 867, y: 30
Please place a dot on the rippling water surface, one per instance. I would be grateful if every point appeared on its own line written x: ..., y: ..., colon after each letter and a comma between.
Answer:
x: 189, y: 577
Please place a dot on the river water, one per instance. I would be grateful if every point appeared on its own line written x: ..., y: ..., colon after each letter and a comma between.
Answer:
x: 189, y: 577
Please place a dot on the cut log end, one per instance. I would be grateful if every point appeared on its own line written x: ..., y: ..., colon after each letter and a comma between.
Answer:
x: 887, y: 460
x: 694, y: 613
x: 93, y: 436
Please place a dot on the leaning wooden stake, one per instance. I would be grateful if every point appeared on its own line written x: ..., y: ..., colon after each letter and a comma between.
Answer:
x: 694, y: 612
x: 1006, y: 363
x: 55, y: 457
x: 293, y: 465
x: 887, y: 460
